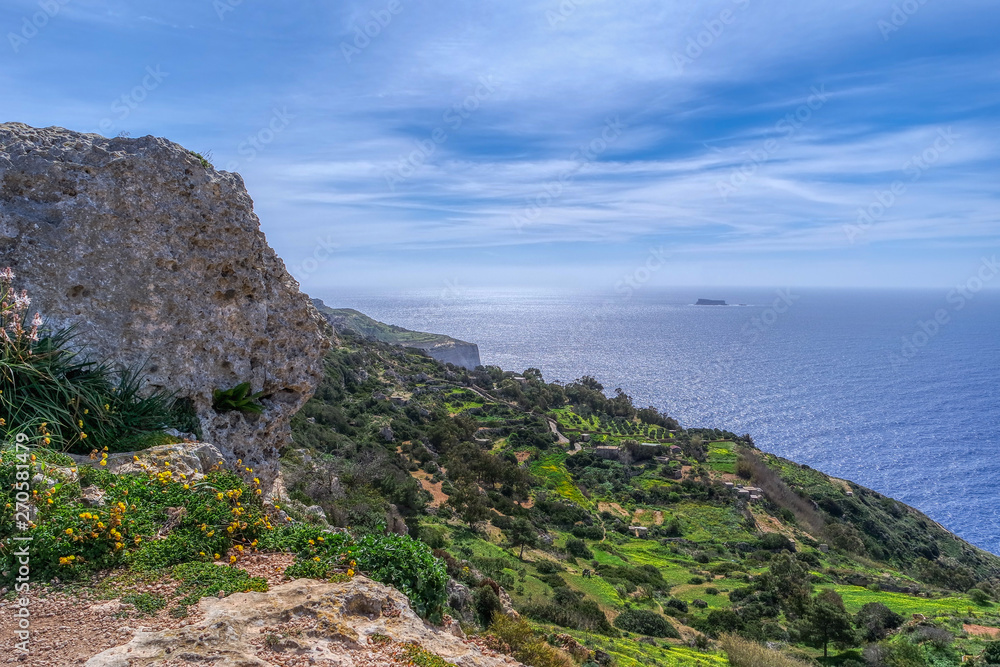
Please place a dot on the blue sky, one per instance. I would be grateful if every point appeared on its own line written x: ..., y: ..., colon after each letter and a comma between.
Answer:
x: 515, y: 142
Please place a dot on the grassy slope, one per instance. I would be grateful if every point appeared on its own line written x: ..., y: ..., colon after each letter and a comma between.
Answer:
x: 873, y: 539
x: 355, y: 321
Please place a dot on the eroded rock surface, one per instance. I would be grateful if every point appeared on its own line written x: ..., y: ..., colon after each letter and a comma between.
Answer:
x: 330, y: 624
x: 159, y: 261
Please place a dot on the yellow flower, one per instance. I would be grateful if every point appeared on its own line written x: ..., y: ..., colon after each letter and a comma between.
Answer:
x: 201, y: 553
x: 118, y: 545
x: 350, y: 573
x: 138, y: 539
x: 219, y: 495
x: 217, y: 556
x: 316, y: 559
x: 104, y: 463
x: 232, y: 559
x: 211, y: 532
x: 69, y: 531
x: 311, y: 542
x: 83, y: 436
x: 187, y: 486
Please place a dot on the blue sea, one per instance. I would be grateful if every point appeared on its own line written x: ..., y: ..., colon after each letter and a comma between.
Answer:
x: 895, y: 390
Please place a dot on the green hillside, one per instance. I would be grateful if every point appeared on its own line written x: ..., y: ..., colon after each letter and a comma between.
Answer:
x: 641, y: 553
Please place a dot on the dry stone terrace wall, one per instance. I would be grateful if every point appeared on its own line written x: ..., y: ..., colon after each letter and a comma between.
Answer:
x: 159, y: 261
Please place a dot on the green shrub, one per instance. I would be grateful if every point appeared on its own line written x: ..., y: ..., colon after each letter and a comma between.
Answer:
x: 486, y: 603
x: 70, y: 540
x: 570, y: 610
x: 525, y: 646
x: 200, y: 580
x: 645, y: 622
x: 745, y: 653
x: 238, y: 398
x: 991, y: 656
x: 145, y: 603
x: 397, y: 560
x: 578, y: 548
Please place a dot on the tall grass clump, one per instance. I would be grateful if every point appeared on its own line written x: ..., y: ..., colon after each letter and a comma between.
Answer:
x: 53, y: 394
x: 745, y: 653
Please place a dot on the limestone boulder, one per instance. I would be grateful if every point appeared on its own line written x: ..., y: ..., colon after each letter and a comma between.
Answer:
x: 355, y: 623
x: 158, y: 261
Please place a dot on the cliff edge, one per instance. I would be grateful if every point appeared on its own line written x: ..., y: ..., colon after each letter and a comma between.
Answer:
x: 445, y: 349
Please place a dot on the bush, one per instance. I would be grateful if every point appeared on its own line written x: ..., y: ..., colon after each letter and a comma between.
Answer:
x: 578, y: 548
x: 200, y: 580
x: 71, y: 540
x: 991, y: 656
x: 679, y: 605
x: 548, y: 567
x: 570, y: 610
x: 744, y: 653
x: 875, y: 620
x: 396, y: 560
x: 487, y: 603
x: 645, y: 622
x: 524, y: 645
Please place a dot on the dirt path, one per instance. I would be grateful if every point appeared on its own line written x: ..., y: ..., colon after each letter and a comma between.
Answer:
x: 981, y: 630
x: 438, y: 497
x: 554, y: 426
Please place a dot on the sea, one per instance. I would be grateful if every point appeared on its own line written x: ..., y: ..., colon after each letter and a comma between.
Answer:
x: 895, y: 390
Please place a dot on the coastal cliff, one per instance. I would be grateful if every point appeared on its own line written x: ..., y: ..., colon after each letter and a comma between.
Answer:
x: 445, y: 349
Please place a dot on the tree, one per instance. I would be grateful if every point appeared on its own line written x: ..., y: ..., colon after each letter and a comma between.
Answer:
x: 826, y: 620
x: 991, y: 656
x: 875, y: 620
x: 470, y: 503
x: 523, y: 534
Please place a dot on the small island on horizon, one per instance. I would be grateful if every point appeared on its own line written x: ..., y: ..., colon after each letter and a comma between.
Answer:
x: 711, y: 302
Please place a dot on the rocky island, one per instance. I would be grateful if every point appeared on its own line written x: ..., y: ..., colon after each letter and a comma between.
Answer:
x: 711, y: 302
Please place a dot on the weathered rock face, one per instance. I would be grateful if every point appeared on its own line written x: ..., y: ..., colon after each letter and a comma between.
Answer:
x: 159, y: 261
x: 328, y: 624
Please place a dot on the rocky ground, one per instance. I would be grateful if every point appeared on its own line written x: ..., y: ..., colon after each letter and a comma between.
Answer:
x: 297, y: 623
